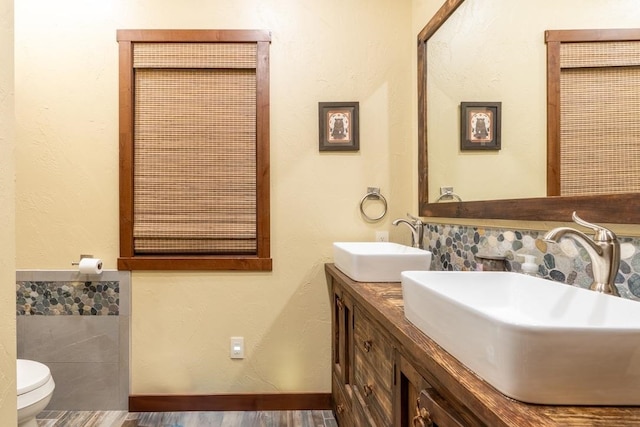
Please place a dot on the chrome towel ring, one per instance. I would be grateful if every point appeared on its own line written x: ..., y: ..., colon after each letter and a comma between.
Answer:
x: 447, y: 194
x: 374, y: 194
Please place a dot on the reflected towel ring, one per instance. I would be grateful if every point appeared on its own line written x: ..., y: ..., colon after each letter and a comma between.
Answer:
x: 373, y: 193
x: 448, y: 196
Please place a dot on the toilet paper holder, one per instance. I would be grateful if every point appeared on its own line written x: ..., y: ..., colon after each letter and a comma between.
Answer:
x: 82, y: 256
x: 89, y: 265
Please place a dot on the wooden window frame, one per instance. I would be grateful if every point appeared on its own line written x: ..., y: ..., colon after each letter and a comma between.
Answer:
x: 128, y: 260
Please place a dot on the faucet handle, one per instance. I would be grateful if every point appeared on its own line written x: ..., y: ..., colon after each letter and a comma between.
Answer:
x: 601, y: 234
x: 415, y: 220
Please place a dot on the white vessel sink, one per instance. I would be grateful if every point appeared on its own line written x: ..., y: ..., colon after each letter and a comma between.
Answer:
x: 532, y: 339
x: 378, y: 261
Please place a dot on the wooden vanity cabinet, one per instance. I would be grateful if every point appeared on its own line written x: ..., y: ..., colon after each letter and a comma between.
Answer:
x: 373, y: 385
x: 386, y: 372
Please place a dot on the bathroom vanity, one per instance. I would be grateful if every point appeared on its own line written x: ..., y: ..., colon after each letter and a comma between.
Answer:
x: 386, y: 372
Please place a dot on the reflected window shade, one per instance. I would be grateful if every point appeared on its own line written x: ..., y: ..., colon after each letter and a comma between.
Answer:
x: 600, y: 130
x: 195, y: 161
x: 599, y: 54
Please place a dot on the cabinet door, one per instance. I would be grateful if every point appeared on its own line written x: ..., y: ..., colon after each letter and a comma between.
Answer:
x: 342, y: 332
x: 373, y: 368
x: 418, y: 404
x: 342, y: 355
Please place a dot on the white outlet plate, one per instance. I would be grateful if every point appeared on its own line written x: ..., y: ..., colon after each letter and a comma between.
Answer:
x: 382, y: 236
x: 236, y: 347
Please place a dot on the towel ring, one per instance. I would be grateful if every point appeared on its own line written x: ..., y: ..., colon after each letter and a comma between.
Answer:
x: 373, y: 193
x: 449, y: 195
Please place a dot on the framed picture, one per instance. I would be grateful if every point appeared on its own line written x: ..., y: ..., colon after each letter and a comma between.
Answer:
x: 480, y: 125
x: 338, y: 126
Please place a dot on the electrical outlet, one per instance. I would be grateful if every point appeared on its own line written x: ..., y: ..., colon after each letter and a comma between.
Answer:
x: 236, y: 347
x: 382, y: 236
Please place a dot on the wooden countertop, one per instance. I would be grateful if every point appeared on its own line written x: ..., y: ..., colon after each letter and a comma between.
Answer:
x: 385, y: 304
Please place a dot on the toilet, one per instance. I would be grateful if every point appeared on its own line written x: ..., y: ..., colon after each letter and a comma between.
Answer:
x: 35, y: 388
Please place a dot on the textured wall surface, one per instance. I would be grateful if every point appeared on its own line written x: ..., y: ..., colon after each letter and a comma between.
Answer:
x: 8, y: 402
x: 67, y: 165
x: 66, y: 107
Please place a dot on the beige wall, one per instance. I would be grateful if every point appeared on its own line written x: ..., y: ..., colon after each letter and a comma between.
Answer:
x: 494, y: 50
x: 8, y: 402
x: 67, y: 160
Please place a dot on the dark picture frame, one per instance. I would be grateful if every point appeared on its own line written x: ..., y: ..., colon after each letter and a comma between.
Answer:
x: 480, y: 124
x: 339, y: 126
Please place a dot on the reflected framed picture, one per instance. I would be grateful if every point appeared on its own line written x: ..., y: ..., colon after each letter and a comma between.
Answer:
x: 339, y: 127
x: 480, y: 125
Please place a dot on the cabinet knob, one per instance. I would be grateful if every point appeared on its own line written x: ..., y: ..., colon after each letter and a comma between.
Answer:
x: 367, y: 389
x: 340, y: 408
x: 367, y: 345
x: 422, y: 418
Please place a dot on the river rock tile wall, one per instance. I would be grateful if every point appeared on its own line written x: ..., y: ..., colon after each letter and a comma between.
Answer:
x: 79, y: 326
x: 67, y: 298
x: 454, y: 248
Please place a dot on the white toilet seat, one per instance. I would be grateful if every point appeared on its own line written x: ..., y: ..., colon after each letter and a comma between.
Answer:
x: 34, y: 382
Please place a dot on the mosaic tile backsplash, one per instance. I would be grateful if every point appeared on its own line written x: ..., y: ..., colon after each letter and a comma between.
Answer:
x: 67, y: 298
x: 454, y: 248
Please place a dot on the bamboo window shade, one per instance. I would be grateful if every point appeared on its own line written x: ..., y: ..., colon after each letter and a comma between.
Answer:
x: 194, y: 158
x: 600, y: 118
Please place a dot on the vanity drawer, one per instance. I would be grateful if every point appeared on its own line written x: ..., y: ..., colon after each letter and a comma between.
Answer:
x: 418, y: 403
x: 361, y: 413
x: 341, y: 404
x: 374, y: 370
x: 434, y: 409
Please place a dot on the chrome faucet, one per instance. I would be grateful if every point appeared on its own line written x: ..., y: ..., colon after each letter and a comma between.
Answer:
x: 603, y: 249
x: 417, y: 230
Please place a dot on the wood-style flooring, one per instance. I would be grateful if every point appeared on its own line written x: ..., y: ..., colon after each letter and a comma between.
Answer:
x: 186, y: 419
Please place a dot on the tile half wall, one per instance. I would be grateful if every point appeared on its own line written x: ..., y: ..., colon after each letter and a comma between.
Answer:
x: 79, y: 326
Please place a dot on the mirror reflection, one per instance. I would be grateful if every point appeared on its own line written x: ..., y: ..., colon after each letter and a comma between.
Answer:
x: 494, y: 51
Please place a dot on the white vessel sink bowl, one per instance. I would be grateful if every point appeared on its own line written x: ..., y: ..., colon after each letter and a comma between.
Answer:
x: 378, y: 261
x: 532, y: 339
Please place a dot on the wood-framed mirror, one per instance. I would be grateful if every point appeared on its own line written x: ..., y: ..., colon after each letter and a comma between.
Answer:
x: 623, y: 208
